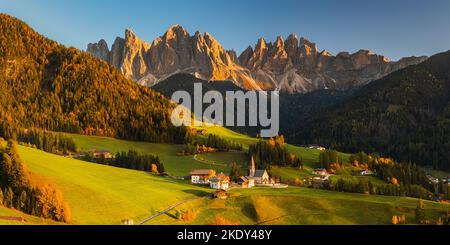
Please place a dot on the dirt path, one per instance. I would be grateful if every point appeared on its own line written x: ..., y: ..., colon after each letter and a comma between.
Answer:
x: 208, y: 162
x: 171, y: 207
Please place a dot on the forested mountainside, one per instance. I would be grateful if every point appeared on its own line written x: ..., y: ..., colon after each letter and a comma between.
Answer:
x: 46, y: 85
x: 405, y: 115
x: 294, y: 108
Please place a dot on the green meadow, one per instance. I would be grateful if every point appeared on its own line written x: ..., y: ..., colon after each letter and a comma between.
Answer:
x: 182, y: 165
x: 99, y: 194
x: 7, y: 213
x: 175, y: 165
x: 302, y: 206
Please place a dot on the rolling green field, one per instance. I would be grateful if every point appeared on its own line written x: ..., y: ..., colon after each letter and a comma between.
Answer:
x: 230, y: 135
x: 28, y: 219
x: 175, y: 165
x: 99, y: 194
x: 182, y: 165
x: 303, y: 206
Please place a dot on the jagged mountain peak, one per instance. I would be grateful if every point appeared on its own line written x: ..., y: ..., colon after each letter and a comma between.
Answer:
x: 129, y: 31
x: 305, y: 42
x: 261, y: 43
x: 279, y: 39
x: 292, y: 36
x: 175, y: 31
x: 292, y: 65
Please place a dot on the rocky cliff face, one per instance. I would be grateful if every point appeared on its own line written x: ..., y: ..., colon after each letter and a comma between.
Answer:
x: 292, y: 65
x: 296, y: 65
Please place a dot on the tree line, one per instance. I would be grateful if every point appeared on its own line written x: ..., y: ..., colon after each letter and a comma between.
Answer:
x: 330, y: 160
x: 273, y: 152
x: 365, y: 186
x: 212, y: 143
x: 131, y: 160
x: 401, y: 179
x: 56, y: 143
x: 22, y: 191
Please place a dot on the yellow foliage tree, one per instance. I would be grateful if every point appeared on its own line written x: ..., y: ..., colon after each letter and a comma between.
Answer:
x: 154, y: 168
x: 394, y: 181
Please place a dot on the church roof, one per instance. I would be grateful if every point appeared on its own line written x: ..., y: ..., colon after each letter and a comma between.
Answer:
x: 259, y: 173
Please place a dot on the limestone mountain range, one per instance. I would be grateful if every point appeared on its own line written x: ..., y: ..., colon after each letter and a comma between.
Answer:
x: 293, y: 65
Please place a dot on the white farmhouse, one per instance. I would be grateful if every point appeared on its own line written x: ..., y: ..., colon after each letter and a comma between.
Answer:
x: 201, y: 176
x: 220, y: 182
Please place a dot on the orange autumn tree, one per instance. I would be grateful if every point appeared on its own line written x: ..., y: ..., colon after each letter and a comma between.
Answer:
x: 29, y: 193
x: 154, y: 168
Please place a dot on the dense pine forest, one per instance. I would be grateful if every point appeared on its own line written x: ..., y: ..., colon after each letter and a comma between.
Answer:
x: 23, y: 191
x: 56, y: 143
x: 405, y: 115
x: 45, y: 85
x: 273, y: 152
x: 131, y: 160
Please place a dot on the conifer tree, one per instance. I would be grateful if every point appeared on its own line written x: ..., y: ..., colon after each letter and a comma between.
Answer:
x: 420, y: 212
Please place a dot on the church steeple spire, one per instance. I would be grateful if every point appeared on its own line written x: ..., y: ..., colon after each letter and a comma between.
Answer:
x: 252, y: 168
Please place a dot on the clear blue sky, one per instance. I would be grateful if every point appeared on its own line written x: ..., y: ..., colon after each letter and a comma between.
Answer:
x: 395, y: 28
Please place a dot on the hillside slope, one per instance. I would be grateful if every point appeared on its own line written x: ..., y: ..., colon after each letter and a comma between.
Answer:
x: 99, y: 194
x: 14, y: 217
x: 405, y: 115
x: 45, y: 85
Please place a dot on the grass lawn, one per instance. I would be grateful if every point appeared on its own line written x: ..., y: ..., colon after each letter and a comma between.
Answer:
x: 182, y: 165
x: 175, y: 165
x: 99, y: 194
x: 305, y: 207
x: 226, y: 158
x: 291, y: 174
x: 356, y: 179
x: 230, y: 135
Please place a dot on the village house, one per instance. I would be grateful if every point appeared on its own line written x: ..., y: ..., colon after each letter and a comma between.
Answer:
x: 246, y: 182
x: 317, y: 147
x: 320, y: 171
x: 201, y: 176
x: 220, y: 182
x: 102, y: 154
x: 366, y: 172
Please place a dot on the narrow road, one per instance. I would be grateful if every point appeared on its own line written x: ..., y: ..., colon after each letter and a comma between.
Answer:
x: 208, y: 161
x: 171, y: 207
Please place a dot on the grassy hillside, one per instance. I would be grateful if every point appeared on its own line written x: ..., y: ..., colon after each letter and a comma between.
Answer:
x: 303, y: 206
x: 229, y: 134
x: 175, y: 165
x: 5, y: 213
x: 182, y: 165
x: 99, y: 194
